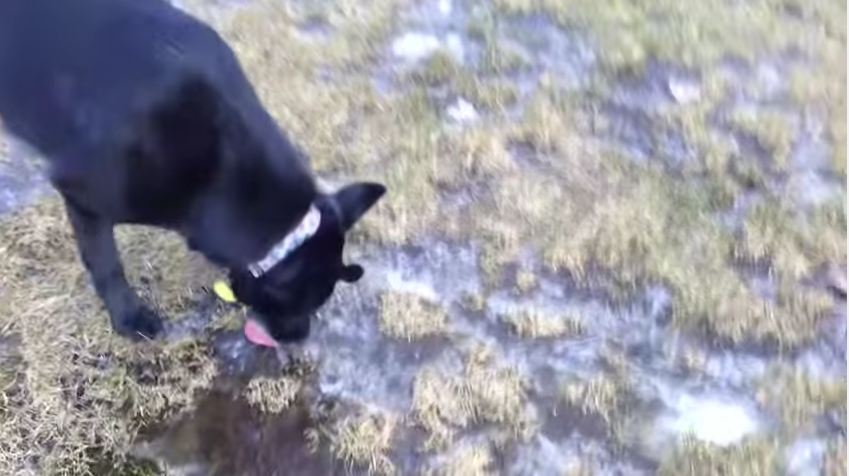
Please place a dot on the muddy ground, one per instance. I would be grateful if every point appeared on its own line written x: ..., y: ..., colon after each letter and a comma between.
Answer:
x: 614, y: 243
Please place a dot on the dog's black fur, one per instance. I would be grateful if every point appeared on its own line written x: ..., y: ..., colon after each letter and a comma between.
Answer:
x: 146, y: 117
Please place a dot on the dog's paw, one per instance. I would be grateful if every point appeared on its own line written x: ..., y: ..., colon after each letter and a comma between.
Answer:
x: 141, y: 324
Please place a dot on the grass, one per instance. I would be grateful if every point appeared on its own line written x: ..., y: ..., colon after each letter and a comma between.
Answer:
x: 410, y: 317
x: 437, y: 70
x: 364, y: 442
x: 526, y: 281
x: 603, y: 396
x: 753, y: 457
x: 630, y: 33
x: 79, y: 390
x: 272, y: 395
x: 800, y: 400
x: 533, y: 324
x: 835, y: 458
x: 474, y: 302
x: 485, y: 392
x: 773, y: 132
x: 544, y: 184
x: 639, y: 226
x: 794, y: 246
x: 465, y: 460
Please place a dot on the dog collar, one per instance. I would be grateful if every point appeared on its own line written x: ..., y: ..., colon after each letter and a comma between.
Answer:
x: 304, y: 231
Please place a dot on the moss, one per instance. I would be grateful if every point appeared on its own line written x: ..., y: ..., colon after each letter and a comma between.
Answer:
x: 408, y: 316
x: 753, y: 456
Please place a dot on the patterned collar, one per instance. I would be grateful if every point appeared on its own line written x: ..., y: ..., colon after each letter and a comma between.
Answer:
x: 304, y: 231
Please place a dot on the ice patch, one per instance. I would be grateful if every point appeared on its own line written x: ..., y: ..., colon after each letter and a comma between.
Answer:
x: 396, y: 282
x: 685, y: 90
x: 573, y: 455
x: 454, y: 44
x: 414, y: 47
x: 712, y: 419
x: 462, y: 112
x: 804, y: 457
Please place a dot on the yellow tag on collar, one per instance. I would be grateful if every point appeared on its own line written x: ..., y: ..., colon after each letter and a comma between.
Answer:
x: 224, y: 292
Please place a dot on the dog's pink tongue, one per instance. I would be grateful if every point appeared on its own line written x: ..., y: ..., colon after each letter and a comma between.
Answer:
x: 256, y: 334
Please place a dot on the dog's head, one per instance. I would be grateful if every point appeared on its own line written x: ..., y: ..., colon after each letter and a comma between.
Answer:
x: 300, y: 273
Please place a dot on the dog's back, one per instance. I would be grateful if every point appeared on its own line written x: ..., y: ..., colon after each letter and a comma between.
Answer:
x: 126, y: 98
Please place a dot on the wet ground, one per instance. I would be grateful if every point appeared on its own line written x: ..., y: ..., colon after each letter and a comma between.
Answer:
x: 354, y: 368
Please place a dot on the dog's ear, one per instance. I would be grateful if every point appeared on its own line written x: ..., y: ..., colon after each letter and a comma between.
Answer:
x: 355, y: 200
x: 351, y: 273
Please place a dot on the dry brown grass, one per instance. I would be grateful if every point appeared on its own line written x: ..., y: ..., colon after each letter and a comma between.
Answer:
x: 753, y: 457
x: 772, y: 131
x: 83, y: 393
x: 799, y: 400
x: 364, y: 442
x: 599, y: 213
x: 409, y: 317
x: 272, y: 395
x: 835, y: 459
x: 465, y: 460
x: 80, y: 391
x: 794, y: 246
x: 536, y: 324
x: 345, y: 126
x: 604, y: 396
x: 474, y: 302
x: 629, y: 33
x: 525, y: 281
x: 485, y: 392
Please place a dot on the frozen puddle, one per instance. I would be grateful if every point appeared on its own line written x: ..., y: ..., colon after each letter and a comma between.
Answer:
x: 414, y: 47
x: 720, y: 420
x: 22, y: 179
x: 462, y: 112
x: 358, y: 364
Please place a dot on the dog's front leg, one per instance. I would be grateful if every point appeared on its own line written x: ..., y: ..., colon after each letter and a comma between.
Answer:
x: 96, y: 242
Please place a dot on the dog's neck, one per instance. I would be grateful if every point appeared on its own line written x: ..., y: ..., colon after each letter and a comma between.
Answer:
x: 239, y: 220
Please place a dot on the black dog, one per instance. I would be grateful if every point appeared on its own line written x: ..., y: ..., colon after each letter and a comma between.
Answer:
x: 146, y: 117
